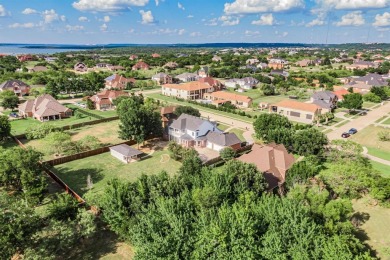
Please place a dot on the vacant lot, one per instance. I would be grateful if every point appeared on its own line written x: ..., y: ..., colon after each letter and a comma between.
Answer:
x: 105, y: 167
x: 107, y: 133
x: 376, y: 226
x: 369, y: 137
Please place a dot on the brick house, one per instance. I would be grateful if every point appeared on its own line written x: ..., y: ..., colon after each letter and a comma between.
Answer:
x: 221, y: 97
x: 162, y: 78
x: 17, y: 86
x: 116, y: 81
x: 190, y: 91
x: 296, y: 111
x: 104, y: 100
x: 141, y: 66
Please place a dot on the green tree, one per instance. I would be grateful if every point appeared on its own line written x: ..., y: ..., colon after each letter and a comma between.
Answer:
x: 352, y: 101
x: 56, y: 141
x: 187, y: 110
x: 90, y: 104
x: 64, y: 207
x: 380, y: 92
x: 227, y: 154
x: 309, y: 142
x: 9, y: 100
x: 5, y: 128
x: 266, y: 122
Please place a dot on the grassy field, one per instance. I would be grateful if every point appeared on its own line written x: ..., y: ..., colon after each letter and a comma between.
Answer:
x: 238, y: 132
x: 376, y: 227
x: 223, y: 127
x: 107, y: 113
x: 105, y: 167
x: 383, y: 169
x: 170, y: 100
x: 386, y: 122
x: 107, y: 133
x: 369, y: 137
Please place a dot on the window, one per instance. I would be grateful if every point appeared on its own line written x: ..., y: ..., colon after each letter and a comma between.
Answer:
x: 308, y: 116
x: 296, y: 114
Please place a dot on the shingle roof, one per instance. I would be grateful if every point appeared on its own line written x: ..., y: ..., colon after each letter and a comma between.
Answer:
x: 125, y: 150
x: 11, y: 83
x: 189, y: 86
x: 44, y: 105
x: 223, y: 139
x: 323, y: 95
x: 189, y: 122
x: 230, y: 96
x: 297, y: 105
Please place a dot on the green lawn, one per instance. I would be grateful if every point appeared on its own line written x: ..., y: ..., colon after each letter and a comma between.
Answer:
x: 380, y: 153
x: 105, y: 167
x: 107, y: 113
x: 183, y: 103
x: 238, y: 132
x: 386, y: 122
x: 223, y: 127
x: 383, y: 169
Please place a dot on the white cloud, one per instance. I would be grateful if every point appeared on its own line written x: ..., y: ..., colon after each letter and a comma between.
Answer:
x: 212, y: 22
x: 251, y: 33
x: 353, y: 4
x: 315, y: 22
x: 228, y: 20
x: 157, y: 2
x: 74, y: 28
x: 265, y: 19
x: 103, y: 27
x: 382, y: 20
x: 351, y: 19
x: 262, y: 6
x: 284, y: 34
x: 195, y: 34
x: 3, y: 12
x: 83, y: 19
x: 50, y: 16
x: 180, y: 6
x: 321, y: 16
x: 29, y: 11
x: 106, y: 19
x: 107, y: 5
x: 181, y: 32
x: 190, y: 16
x: 22, y: 25
x: 147, y: 17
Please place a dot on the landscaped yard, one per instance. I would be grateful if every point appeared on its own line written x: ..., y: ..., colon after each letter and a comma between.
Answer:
x: 107, y: 133
x: 369, y: 137
x: 376, y: 226
x: 107, y: 113
x: 105, y: 167
x: 386, y: 122
x: 383, y: 169
x: 238, y: 132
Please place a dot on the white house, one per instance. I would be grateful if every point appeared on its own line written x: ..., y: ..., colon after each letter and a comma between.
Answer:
x: 245, y: 83
x: 125, y: 153
x: 187, y: 77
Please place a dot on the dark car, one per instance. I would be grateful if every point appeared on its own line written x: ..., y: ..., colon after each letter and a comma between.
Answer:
x: 14, y: 115
x: 352, y: 131
x: 345, y: 135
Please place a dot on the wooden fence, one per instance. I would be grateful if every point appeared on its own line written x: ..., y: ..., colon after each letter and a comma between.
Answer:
x: 83, y: 155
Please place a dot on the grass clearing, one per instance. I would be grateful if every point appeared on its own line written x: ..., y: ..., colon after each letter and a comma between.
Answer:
x: 222, y: 127
x: 369, y: 137
x: 382, y: 168
x: 238, y: 132
x: 376, y: 226
x: 386, y: 122
x: 106, y: 114
x: 104, y: 167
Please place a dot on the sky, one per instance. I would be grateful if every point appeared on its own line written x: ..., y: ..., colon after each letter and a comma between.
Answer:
x: 194, y: 21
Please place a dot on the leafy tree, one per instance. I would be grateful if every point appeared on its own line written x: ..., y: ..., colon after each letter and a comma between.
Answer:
x: 90, y: 104
x: 64, y: 207
x: 89, y: 143
x: 380, y: 92
x: 309, y: 142
x: 301, y: 171
x: 227, y: 154
x: 9, y: 100
x: 187, y: 110
x: 268, y: 90
x: 5, y: 128
x: 40, y: 131
x: 371, y: 97
x: 352, y: 101
x: 56, y: 141
x: 267, y: 122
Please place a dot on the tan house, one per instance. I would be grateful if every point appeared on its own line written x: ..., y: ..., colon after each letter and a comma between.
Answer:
x: 162, y: 78
x: 17, y: 86
x: 296, y: 111
x: 80, y: 67
x: 171, y: 65
x: 304, y: 63
x: 190, y: 91
x: 44, y: 108
x: 167, y: 115
x: 104, y: 100
x: 221, y: 97
x: 141, y: 66
x: 133, y: 57
x: 273, y: 160
x: 216, y: 84
x: 118, y: 82
x: 156, y: 55
x: 125, y: 153
x: 361, y: 64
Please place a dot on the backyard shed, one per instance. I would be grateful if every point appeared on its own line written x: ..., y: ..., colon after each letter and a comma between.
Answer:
x: 125, y: 153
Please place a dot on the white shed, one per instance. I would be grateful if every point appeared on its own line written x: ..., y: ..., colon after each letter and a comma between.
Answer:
x: 125, y: 153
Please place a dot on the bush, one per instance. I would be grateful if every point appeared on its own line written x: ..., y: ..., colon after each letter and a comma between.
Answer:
x: 384, y: 136
x: 227, y: 154
x: 371, y: 97
x: 40, y: 131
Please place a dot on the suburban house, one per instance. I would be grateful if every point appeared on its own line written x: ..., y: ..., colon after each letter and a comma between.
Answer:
x: 191, y: 90
x: 304, y: 63
x: 203, y: 72
x: 50, y: 59
x: 327, y: 100
x: 104, y: 100
x: 361, y: 64
x: 273, y: 160
x: 44, y: 108
x: 340, y: 94
x: 191, y: 131
x: 245, y: 83
x: 17, y: 86
x: 80, y: 67
x: 171, y: 65
x: 140, y: 66
x: 115, y: 68
x: 133, y: 57
x: 222, y: 97
x: 102, y: 65
x: 216, y: 58
x: 116, y: 81
x: 277, y: 64
x: 37, y: 69
x: 167, y: 115
x: 262, y: 66
x: 125, y: 153
x: 216, y: 84
x: 187, y: 77
x: 156, y: 55
x: 252, y: 61
x: 282, y: 73
x: 27, y: 57
x: 296, y: 111
x: 365, y: 83
x: 162, y: 78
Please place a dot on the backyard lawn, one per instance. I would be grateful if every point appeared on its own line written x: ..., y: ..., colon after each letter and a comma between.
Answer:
x: 369, y: 137
x: 104, y: 167
x: 107, y: 113
x: 383, y: 169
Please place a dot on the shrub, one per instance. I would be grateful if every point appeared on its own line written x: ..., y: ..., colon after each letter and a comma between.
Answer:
x: 371, y: 97
x: 40, y: 131
x: 227, y: 154
x: 384, y: 136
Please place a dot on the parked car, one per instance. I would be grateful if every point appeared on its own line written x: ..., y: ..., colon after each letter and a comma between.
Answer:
x: 13, y: 114
x: 345, y: 135
x: 352, y: 131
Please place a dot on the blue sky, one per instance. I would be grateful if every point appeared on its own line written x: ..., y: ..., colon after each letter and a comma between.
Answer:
x: 194, y: 21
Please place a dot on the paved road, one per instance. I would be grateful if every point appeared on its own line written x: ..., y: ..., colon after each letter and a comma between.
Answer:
x: 361, y: 122
x: 373, y: 158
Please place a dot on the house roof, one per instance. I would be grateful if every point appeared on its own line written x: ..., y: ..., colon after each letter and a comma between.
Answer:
x: 211, y: 81
x: 125, y: 150
x: 39, y: 68
x: 107, y: 94
x: 371, y: 79
x: 44, y: 105
x: 167, y: 110
x: 188, y: 86
x: 297, y: 105
x: 223, y: 139
x: 230, y: 96
x: 323, y: 95
x: 188, y: 122
x: 339, y: 93
x: 160, y: 75
x: 141, y: 64
x: 186, y: 75
x: 11, y: 83
x: 272, y: 159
